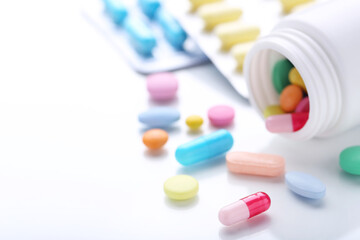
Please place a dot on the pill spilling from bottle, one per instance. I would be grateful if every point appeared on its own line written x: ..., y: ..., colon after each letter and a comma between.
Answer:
x: 292, y: 112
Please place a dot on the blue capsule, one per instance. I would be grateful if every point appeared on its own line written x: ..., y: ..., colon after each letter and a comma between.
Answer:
x: 141, y: 36
x: 149, y: 7
x: 173, y: 32
x: 159, y: 117
x: 116, y: 10
x: 204, y: 147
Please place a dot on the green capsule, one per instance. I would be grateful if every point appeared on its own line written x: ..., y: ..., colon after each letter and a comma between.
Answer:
x: 280, y: 74
x: 350, y: 160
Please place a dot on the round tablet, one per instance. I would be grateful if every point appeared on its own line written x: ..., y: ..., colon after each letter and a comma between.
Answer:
x: 155, y: 138
x: 162, y: 86
x: 305, y: 185
x: 221, y: 115
x: 181, y: 187
x: 194, y: 122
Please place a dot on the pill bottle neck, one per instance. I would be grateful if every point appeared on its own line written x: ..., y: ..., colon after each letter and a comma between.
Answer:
x: 316, y: 69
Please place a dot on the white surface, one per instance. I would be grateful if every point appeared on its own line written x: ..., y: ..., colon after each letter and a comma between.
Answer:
x: 72, y: 165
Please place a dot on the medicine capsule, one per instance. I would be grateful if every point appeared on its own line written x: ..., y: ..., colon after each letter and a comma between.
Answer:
x: 272, y: 110
x: 141, y: 36
x: 283, y: 123
x: 290, y: 97
x: 288, y: 5
x: 149, y: 7
x: 239, y: 52
x: 245, y: 208
x: 194, y: 122
x: 235, y: 32
x: 260, y: 164
x: 205, y: 147
x: 303, y: 106
x: 216, y: 13
x: 173, y: 32
x: 116, y: 10
x: 280, y: 74
x: 296, y: 79
x: 197, y: 3
x: 155, y: 138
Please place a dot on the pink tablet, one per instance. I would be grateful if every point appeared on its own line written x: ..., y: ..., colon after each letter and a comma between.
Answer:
x: 221, y: 115
x: 162, y: 86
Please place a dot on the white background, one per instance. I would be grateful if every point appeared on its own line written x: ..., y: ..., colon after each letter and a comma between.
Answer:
x: 73, y: 166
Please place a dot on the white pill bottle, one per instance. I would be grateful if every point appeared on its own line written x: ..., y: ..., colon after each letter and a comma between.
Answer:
x: 323, y: 43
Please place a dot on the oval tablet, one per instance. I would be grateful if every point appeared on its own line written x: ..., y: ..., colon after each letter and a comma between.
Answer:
x: 205, y: 147
x: 255, y: 164
x: 194, y: 122
x: 290, y: 97
x: 155, y: 138
x: 221, y: 115
x: 181, y: 187
x: 280, y: 74
x: 162, y: 86
x: 350, y: 160
x: 159, y: 117
x: 305, y: 185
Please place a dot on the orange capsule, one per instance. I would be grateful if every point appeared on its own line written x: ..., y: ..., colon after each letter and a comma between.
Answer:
x: 290, y: 98
x: 155, y: 138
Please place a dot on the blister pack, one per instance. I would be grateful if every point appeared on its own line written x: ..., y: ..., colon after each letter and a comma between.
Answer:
x: 145, y: 33
x: 225, y: 30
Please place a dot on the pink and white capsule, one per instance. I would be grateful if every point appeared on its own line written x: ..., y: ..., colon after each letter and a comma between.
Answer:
x: 244, y: 209
x: 283, y: 123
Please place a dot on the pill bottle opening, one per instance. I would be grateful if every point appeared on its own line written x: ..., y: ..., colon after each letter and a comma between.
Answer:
x: 267, y: 96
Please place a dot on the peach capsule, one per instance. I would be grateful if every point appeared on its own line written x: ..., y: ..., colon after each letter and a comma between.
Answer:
x: 259, y: 164
x: 290, y: 98
x: 155, y: 138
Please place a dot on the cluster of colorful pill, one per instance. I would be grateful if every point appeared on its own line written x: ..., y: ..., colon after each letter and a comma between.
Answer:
x: 292, y: 112
x: 140, y: 34
x: 223, y: 18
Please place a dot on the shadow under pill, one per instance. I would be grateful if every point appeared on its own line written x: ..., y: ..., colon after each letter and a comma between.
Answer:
x: 315, y: 203
x: 169, y: 129
x: 204, y: 166
x: 246, y: 228
x: 195, y: 132
x: 234, y: 178
x: 163, y: 103
x: 156, y: 153
x: 349, y: 178
x: 182, y: 204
